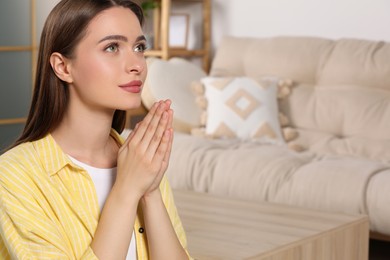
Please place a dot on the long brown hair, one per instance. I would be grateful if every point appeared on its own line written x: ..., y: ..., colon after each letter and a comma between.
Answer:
x: 64, y: 28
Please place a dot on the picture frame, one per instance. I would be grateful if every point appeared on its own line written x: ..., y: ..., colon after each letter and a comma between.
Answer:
x: 178, y: 30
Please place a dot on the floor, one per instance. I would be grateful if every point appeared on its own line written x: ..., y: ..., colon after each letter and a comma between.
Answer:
x: 379, y: 250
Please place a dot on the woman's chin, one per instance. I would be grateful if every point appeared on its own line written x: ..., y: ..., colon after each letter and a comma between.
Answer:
x: 130, y: 106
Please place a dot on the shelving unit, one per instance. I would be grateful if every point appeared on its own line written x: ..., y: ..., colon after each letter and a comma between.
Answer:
x: 161, y: 49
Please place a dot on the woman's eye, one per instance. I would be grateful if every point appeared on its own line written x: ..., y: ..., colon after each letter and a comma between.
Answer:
x: 140, y: 47
x: 112, y: 47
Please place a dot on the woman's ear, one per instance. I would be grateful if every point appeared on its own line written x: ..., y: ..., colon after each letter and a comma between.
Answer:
x: 60, y: 66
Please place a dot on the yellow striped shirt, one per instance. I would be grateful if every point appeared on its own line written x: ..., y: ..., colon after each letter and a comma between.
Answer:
x: 49, y: 208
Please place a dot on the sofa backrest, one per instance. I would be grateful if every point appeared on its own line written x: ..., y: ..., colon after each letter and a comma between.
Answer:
x: 342, y: 87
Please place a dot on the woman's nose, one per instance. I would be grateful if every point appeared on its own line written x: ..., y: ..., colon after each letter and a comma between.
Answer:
x: 136, y: 63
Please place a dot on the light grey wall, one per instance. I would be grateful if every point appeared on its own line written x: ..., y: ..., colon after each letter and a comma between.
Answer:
x: 367, y: 19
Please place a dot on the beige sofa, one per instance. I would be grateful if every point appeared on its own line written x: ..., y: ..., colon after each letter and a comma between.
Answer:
x: 338, y: 111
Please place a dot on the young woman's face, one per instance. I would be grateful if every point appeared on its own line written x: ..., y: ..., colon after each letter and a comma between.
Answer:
x: 109, y: 67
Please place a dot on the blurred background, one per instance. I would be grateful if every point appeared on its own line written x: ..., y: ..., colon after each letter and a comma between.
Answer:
x: 21, y: 23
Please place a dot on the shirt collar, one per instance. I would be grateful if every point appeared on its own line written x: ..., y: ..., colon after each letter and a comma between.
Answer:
x: 53, y: 157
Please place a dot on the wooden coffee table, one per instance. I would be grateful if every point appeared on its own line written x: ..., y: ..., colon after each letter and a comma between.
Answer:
x: 224, y: 228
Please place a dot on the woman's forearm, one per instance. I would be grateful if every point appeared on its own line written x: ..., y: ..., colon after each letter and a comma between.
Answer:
x: 162, y: 239
x: 116, y: 223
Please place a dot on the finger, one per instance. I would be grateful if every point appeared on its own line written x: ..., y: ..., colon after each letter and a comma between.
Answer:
x: 158, y: 136
x: 154, y: 125
x: 169, y: 150
x: 130, y: 136
x: 170, y: 119
x: 165, y: 162
x: 170, y: 128
x: 162, y: 148
x: 168, y: 102
x: 142, y: 126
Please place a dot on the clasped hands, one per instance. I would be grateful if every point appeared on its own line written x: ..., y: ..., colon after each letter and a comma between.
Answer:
x: 144, y: 157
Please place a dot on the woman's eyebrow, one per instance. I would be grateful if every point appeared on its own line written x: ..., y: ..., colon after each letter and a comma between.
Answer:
x: 121, y: 38
x: 114, y: 37
x: 140, y: 38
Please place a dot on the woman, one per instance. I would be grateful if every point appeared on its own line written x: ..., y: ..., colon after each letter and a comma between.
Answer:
x: 70, y: 158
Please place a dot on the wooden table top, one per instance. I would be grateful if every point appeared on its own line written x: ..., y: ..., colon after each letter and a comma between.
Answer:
x: 225, y: 228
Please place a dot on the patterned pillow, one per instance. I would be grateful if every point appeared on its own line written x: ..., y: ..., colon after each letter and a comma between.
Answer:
x: 241, y: 107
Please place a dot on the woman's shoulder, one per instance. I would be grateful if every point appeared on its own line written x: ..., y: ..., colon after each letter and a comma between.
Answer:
x: 17, y: 154
x: 18, y: 161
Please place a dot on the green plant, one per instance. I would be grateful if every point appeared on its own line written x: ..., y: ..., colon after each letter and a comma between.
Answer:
x: 149, y: 5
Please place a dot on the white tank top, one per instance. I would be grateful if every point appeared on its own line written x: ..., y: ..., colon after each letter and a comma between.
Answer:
x: 104, y: 180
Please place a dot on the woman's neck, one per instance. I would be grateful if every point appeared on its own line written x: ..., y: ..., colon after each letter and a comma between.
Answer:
x: 85, y: 135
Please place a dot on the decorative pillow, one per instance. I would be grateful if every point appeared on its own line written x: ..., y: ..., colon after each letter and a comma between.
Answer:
x: 290, y: 134
x: 176, y: 86
x: 241, y: 107
x: 244, y: 108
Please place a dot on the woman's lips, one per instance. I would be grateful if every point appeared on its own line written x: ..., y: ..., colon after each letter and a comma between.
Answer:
x: 134, y: 86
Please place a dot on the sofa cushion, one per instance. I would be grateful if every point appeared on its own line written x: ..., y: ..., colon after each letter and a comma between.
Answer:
x: 238, y: 168
x: 323, y: 143
x: 176, y: 86
x: 332, y: 183
x: 296, y: 58
x: 340, y: 110
x: 357, y: 62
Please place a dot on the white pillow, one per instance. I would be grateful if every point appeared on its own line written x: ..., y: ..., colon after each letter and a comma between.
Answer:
x: 172, y: 80
x: 242, y: 107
